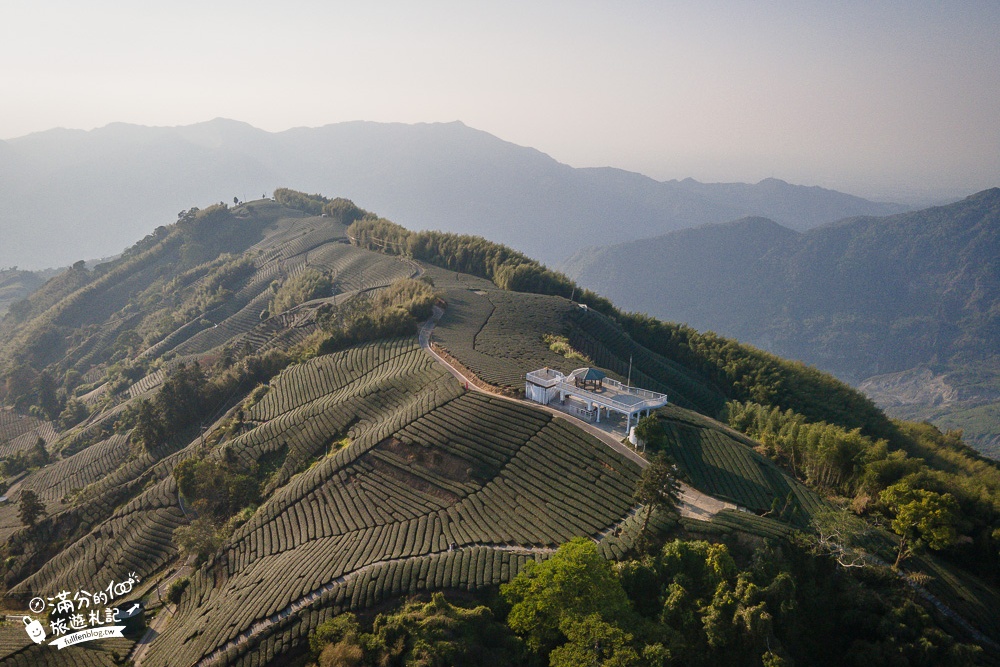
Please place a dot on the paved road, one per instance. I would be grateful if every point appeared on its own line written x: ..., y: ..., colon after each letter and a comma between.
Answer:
x: 9, y: 495
x: 694, y: 503
x: 163, y: 617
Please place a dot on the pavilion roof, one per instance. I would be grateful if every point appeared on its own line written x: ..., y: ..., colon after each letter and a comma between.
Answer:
x: 589, y: 374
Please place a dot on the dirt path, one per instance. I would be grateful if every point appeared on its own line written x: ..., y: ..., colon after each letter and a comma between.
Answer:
x: 694, y: 504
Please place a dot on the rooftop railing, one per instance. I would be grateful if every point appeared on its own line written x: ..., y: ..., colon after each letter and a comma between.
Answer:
x: 549, y: 378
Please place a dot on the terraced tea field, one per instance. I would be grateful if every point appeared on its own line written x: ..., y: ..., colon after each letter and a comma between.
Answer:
x: 478, y: 319
x: 378, y: 475
x: 19, y: 432
x: 721, y: 464
x: 498, y: 335
x: 438, y: 489
x: 20, y: 652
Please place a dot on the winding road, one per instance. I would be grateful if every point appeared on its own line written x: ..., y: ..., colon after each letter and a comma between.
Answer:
x: 694, y: 504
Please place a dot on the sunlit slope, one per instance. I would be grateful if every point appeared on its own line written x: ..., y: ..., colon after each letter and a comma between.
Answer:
x: 438, y: 489
x: 499, y: 336
x: 189, y: 288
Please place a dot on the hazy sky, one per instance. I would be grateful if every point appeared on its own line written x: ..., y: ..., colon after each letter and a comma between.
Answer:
x: 871, y: 97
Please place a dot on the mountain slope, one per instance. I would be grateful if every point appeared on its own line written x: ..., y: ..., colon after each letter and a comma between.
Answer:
x: 379, y: 474
x: 97, y: 191
x: 246, y: 386
x: 859, y: 298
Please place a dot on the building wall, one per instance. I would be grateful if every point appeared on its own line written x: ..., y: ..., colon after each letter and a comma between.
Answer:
x: 538, y: 394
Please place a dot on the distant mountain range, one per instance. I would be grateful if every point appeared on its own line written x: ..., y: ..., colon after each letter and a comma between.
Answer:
x: 67, y: 195
x: 912, y: 298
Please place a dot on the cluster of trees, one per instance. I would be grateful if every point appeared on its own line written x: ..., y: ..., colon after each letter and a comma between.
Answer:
x: 961, y: 492
x: 395, y: 311
x: 189, y: 395
x: 216, y: 489
x: 507, y: 268
x: 226, y: 276
x: 920, y: 518
x: 17, y: 462
x: 745, y: 373
x: 185, y: 398
x: 432, y: 633
x: 30, y: 507
x: 687, y: 603
x: 300, y: 201
x: 221, y: 494
x: 825, y: 455
x: 342, y: 210
x: 42, y: 395
x: 308, y: 285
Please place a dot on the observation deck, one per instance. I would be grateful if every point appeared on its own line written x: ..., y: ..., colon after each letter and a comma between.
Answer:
x: 546, y: 384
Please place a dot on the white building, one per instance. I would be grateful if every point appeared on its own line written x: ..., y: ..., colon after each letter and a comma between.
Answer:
x: 595, y: 390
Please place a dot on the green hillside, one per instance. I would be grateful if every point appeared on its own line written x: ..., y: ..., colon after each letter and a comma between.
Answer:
x: 242, y: 398
x: 16, y: 285
x: 374, y: 452
x: 880, y: 298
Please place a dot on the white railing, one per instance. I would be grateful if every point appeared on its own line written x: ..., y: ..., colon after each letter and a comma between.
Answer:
x: 635, y: 391
x: 546, y: 378
x: 549, y: 379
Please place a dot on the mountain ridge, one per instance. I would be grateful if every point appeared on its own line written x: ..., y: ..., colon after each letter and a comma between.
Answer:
x: 449, y: 176
x: 860, y: 297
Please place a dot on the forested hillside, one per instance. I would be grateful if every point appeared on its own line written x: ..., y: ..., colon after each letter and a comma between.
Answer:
x: 238, y: 418
x: 903, y: 297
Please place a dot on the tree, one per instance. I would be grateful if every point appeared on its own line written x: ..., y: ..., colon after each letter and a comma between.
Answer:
x: 48, y: 399
x: 149, y: 427
x: 842, y: 536
x: 594, y: 641
x: 920, y: 518
x: 177, y: 588
x: 30, y: 507
x: 74, y: 413
x: 199, y: 538
x: 656, y: 490
x: 575, y: 582
x: 650, y: 431
x: 39, y: 455
x: 431, y: 633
